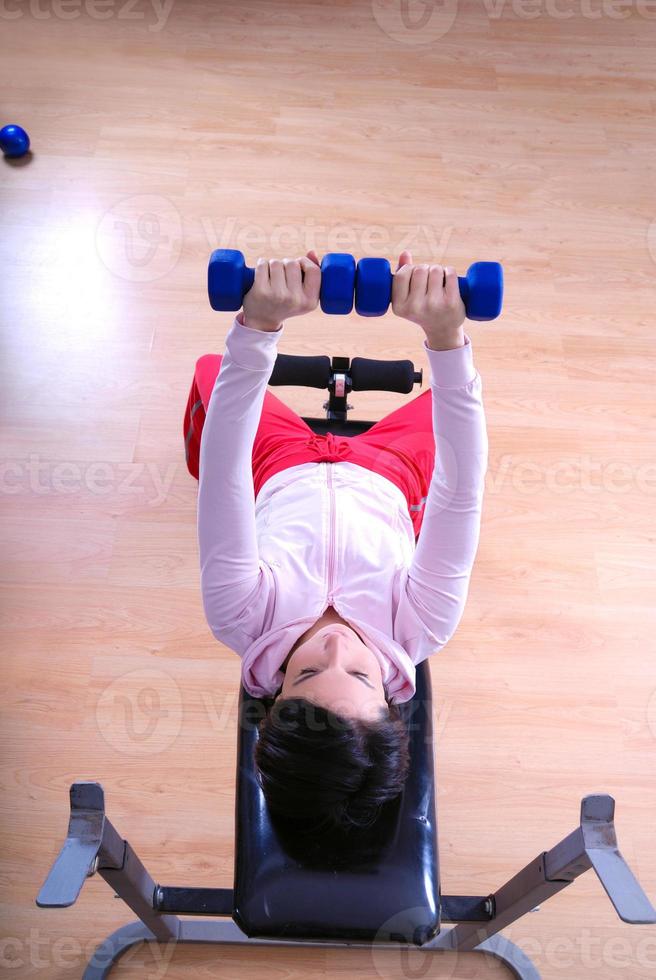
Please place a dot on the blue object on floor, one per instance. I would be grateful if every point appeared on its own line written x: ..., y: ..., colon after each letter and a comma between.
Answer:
x: 14, y: 141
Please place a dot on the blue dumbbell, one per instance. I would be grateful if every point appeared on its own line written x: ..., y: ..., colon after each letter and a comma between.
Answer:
x: 481, y: 289
x: 371, y: 281
x: 229, y: 279
x: 14, y: 141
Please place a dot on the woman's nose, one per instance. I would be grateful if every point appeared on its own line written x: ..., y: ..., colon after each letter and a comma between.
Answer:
x: 336, y: 646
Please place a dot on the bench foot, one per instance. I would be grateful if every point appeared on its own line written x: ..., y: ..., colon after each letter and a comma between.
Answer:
x: 119, y: 942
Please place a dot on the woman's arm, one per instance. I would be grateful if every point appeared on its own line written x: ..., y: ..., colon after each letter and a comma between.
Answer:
x: 433, y: 591
x: 433, y: 598
x: 233, y: 583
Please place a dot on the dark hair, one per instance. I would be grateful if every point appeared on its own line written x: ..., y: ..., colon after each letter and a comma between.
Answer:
x: 330, y: 781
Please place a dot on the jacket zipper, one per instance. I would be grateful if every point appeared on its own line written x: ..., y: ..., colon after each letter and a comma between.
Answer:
x: 331, y: 549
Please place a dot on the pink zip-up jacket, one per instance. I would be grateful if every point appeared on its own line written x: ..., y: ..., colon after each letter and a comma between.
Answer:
x: 335, y: 534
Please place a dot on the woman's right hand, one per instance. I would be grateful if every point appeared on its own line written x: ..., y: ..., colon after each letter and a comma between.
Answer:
x: 282, y: 288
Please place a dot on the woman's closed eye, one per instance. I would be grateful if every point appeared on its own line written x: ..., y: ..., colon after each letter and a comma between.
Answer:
x: 312, y: 670
x: 309, y: 671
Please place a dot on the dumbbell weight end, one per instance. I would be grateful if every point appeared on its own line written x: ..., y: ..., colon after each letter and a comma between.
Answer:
x: 228, y: 279
x: 481, y: 290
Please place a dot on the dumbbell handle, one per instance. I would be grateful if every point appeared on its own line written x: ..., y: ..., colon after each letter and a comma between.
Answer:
x: 249, y: 278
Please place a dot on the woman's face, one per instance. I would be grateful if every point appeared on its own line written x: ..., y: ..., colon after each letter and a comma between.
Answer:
x: 335, y: 669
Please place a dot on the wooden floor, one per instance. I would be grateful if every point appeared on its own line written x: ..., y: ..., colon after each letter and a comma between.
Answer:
x: 466, y: 133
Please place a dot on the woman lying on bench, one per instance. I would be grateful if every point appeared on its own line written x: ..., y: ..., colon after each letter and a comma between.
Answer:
x: 313, y: 567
